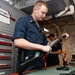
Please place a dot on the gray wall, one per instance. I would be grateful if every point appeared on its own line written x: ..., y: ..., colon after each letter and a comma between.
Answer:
x: 69, y: 44
x: 8, y: 29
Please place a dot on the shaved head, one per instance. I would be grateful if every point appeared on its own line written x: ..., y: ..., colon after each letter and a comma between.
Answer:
x: 38, y: 4
x: 40, y: 10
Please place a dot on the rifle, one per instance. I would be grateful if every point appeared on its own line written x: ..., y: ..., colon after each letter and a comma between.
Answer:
x: 28, y: 63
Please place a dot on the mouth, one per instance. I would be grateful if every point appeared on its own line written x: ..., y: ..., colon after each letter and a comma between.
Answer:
x: 42, y: 18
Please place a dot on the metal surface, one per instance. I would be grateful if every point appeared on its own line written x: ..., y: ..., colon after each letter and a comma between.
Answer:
x: 54, y: 7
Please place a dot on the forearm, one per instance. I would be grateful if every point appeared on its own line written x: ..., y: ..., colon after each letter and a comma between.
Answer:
x: 57, y: 52
x: 22, y: 43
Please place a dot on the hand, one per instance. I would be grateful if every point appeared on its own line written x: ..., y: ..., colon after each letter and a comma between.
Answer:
x: 66, y: 35
x: 47, y: 48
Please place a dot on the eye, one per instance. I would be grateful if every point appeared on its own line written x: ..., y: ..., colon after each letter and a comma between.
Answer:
x: 43, y: 13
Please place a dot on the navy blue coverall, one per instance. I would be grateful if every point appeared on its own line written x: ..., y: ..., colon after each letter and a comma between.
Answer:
x: 27, y: 28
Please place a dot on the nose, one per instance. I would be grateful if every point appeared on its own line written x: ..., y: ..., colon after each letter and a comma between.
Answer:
x: 44, y: 15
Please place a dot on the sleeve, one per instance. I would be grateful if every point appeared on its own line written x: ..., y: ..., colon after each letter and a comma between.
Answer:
x: 45, y: 40
x: 20, y: 29
x: 59, y: 46
x: 48, y: 43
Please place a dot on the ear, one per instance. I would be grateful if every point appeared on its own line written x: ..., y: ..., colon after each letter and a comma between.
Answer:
x: 35, y: 9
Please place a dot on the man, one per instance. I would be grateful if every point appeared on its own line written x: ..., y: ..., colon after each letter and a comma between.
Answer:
x: 29, y: 36
x: 52, y: 58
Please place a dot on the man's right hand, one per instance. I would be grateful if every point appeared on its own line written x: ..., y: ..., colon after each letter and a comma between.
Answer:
x: 46, y: 48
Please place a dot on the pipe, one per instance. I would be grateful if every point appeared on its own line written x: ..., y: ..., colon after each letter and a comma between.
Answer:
x: 68, y: 11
